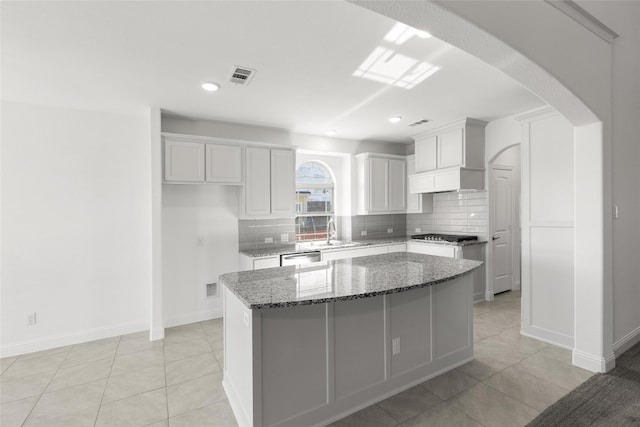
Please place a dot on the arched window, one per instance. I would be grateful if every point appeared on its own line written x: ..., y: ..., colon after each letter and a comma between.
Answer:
x: 314, y: 200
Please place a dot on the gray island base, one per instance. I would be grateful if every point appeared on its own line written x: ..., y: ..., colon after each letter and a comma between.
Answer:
x: 308, y: 345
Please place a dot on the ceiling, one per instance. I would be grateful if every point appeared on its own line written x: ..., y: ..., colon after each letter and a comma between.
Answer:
x: 312, y: 74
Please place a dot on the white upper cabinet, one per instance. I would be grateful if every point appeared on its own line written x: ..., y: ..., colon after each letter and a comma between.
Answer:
x: 426, y: 153
x: 417, y: 203
x: 449, y: 158
x: 224, y: 163
x: 380, y: 184
x: 183, y: 161
x: 269, y: 189
x: 397, y: 184
x: 283, y: 183
x: 459, y: 144
x: 257, y: 186
x: 190, y: 159
x: 451, y: 149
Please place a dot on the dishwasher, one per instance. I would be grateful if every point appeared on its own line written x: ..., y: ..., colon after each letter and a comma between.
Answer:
x: 300, y: 258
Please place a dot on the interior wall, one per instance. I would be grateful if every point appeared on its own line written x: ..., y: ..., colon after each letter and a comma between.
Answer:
x: 626, y: 174
x: 199, y: 243
x: 76, y: 237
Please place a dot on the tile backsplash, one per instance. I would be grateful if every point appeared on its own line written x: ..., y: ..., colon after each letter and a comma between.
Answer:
x: 457, y: 213
x: 253, y: 232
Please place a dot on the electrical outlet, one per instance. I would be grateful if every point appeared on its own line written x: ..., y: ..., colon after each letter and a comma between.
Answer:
x: 418, y: 230
x: 268, y: 239
x: 389, y: 230
x: 395, y: 344
x: 284, y: 237
x: 200, y: 242
x: 31, y: 318
x: 363, y: 233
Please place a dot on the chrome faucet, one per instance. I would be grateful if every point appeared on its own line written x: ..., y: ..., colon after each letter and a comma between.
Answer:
x: 330, y: 233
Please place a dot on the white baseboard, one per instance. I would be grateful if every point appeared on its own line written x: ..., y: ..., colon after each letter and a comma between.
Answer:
x: 46, y: 343
x: 233, y: 398
x: 157, y: 334
x: 478, y: 297
x: 593, y: 363
x: 516, y: 286
x: 546, y: 335
x: 626, y: 342
x: 194, y: 316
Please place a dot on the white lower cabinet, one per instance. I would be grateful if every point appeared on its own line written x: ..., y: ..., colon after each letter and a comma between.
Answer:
x: 437, y: 250
x: 366, y: 251
x: 257, y: 263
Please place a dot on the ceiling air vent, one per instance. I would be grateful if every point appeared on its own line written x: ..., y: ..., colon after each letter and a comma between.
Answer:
x: 241, y: 75
x: 420, y: 122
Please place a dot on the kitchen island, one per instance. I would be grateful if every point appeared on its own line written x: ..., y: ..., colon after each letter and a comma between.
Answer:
x: 307, y: 345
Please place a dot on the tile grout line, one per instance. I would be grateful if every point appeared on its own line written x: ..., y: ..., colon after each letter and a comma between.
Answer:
x: 106, y: 384
x: 47, y: 386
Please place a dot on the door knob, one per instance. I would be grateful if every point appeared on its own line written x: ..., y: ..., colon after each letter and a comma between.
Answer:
x: 495, y: 238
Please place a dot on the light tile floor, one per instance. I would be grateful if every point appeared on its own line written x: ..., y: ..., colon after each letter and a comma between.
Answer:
x: 512, y: 379
x: 129, y: 380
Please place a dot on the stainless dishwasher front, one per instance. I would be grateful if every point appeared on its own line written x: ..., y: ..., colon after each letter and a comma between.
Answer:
x: 300, y: 258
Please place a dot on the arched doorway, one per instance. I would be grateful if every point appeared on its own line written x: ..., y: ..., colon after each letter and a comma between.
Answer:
x: 501, y: 35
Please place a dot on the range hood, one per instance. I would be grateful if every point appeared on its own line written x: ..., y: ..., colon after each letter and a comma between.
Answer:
x: 450, y: 179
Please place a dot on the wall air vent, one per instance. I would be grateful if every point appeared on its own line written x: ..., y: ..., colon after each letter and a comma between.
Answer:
x: 420, y: 122
x: 241, y: 75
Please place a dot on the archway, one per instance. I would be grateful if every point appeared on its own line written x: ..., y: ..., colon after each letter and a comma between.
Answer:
x: 508, y: 36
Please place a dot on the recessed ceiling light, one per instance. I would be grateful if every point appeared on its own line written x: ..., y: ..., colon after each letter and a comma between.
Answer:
x: 331, y: 132
x: 210, y: 86
x: 395, y: 119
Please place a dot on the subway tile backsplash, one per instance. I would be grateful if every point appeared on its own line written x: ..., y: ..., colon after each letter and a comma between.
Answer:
x: 456, y: 213
x: 253, y: 232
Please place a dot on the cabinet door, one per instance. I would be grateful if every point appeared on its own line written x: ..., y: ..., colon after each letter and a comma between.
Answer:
x: 224, y: 163
x: 397, y: 185
x: 451, y: 149
x: 413, y: 200
x: 426, y: 154
x: 378, y: 185
x: 427, y: 249
x: 283, y: 183
x: 266, y: 263
x: 183, y: 161
x: 258, y: 182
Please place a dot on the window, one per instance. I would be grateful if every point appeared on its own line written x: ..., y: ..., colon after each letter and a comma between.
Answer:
x: 314, y: 201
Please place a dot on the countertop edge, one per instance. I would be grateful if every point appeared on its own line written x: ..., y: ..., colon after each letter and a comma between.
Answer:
x: 345, y: 297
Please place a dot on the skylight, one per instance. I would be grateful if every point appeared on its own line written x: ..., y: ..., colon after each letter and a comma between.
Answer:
x: 387, y: 66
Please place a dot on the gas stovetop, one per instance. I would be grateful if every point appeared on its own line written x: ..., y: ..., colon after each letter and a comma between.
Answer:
x: 443, y: 237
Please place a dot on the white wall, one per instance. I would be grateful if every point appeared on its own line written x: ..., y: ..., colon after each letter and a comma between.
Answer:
x: 76, y: 235
x: 189, y: 213
x: 626, y: 174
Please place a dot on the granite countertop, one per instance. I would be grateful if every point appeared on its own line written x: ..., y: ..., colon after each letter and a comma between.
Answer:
x: 342, y: 280
x: 306, y: 247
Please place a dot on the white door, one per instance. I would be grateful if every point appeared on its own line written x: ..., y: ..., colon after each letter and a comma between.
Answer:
x: 501, y: 224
